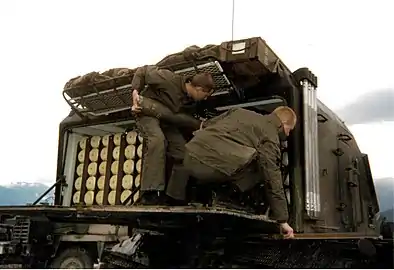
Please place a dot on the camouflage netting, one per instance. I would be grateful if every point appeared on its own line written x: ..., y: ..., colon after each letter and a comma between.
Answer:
x: 116, y: 77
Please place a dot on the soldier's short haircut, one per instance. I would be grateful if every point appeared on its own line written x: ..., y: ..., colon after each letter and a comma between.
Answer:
x: 203, y: 80
x: 286, y: 114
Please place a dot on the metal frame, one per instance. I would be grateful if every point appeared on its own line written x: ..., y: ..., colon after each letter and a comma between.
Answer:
x: 118, y: 98
x: 222, y: 83
x: 251, y: 104
x: 311, y: 156
x: 107, y: 174
x: 69, y: 168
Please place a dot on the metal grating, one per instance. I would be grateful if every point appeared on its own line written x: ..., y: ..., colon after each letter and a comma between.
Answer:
x: 117, y: 99
x: 222, y: 83
x: 20, y: 231
x: 104, y: 102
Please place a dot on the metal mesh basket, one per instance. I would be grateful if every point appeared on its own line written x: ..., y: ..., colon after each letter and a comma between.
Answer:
x: 100, y: 100
x: 214, y: 68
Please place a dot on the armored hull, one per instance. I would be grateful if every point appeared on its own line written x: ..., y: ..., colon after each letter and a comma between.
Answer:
x: 327, y: 180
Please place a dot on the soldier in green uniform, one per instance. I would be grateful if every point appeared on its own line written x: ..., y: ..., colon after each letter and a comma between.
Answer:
x: 243, y: 147
x: 175, y: 93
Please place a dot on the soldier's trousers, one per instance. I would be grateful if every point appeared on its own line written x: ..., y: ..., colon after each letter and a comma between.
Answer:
x: 160, y: 140
x: 244, y: 179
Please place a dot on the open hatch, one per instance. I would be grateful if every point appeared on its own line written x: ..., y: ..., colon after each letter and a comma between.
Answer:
x: 100, y: 150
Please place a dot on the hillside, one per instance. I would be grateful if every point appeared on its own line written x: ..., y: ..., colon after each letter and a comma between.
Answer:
x: 388, y: 214
x: 385, y: 191
x: 21, y: 193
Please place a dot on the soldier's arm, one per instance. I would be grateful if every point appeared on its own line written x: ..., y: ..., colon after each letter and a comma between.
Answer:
x: 215, y: 119
x: 150, y: 75
x: 268, y: 156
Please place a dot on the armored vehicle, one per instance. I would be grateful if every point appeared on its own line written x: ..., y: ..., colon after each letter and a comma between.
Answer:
x: 327, y: 180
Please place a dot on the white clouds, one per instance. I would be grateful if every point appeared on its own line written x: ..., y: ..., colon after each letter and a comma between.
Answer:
x: 376, y: 141
x: 372, y: 107
x: 44, y: 43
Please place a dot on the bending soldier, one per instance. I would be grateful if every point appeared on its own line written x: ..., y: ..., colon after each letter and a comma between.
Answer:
x: 174, y: 92
x: 235, y: 146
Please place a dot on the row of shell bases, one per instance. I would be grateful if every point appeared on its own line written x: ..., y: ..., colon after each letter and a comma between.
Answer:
x: 97, y: 168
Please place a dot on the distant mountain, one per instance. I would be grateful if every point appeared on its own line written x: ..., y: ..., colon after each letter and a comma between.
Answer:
x: 21, y: 193
x: 385, y: 191
x: 388, y: 214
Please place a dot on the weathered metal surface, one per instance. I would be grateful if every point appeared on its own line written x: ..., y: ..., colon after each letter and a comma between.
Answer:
x: 335, y: 155
x: 255, y: 73
x: 79, y: 213
x: 237, y: 250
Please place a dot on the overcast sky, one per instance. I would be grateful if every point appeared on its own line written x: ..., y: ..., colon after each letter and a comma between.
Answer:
x: 347, y: 44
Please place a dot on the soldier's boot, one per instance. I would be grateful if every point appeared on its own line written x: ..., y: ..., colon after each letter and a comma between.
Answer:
x: 228, y: 194
x: 174, y: 202
x: 151, y: 197
x: 204, y: 195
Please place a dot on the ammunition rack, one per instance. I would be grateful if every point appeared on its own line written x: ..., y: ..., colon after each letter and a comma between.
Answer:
x: 108, y: 169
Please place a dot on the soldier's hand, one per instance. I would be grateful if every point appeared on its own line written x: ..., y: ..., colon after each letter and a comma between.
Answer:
x: 202, y: 122
x: 136, y: 102
x: 287, y: 230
